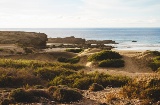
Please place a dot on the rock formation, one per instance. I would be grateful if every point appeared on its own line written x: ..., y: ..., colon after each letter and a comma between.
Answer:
x: 67, y: 40
x: 27, y: 39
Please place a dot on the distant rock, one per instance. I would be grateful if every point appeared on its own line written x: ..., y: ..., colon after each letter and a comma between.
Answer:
x: 134, y: 41
x: 27, y: 39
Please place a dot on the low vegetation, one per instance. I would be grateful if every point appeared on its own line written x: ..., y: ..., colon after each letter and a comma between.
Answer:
x: 155, y: 62
x: 107, y: 59
x: 67, y: 95
x: 22, y: 95
x: 143, y: 89
x: 83, y: 81
x: 69, y: 60
x: 96, y: 87
x: 74, y: 50
x: 103, y: 55
x: 111, y: 63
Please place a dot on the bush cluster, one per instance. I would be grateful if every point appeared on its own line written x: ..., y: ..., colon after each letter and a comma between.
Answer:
x: 22, y: 95
x: 74, y: 50
x: 107, y: 59
x: 84, y: 81
x: 143, y: 89
x: 69, y: 60
x: 67, y: 95
x: 13, y: 78
x: 155, y: 63
x: 111, y: 63
x: 103, y: 55
x: 18, y: 73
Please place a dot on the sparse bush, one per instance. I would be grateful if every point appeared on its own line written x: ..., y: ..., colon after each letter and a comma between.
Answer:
x: 140, y: 89
x: 111, y: 63
x: 67, y: 95
x: 96, y: 87
x: 74, y: 50
x: 103, y: 55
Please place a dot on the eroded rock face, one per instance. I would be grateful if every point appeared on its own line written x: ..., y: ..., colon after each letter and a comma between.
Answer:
x: 28, y: 39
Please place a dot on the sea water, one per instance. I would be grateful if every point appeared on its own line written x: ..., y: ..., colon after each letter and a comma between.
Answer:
x: 146, y: 38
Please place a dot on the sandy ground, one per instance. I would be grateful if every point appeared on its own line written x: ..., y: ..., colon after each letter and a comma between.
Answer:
x: 135, y: 63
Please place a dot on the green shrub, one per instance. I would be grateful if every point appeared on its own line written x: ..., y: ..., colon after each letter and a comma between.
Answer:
x: 10, y: 81
x: 67, y: 95
x: 74, y: 50
x: 51, y: 73
x: 60, y: 80
x: 103, y: 55
x: 62, y: 59
x: 155, y: 64
x: 1, y: 49
x: 74, y: 60
x: 115, y: 81
x: 39, y: 93
x: 83, y: 83
x: 69, y: 60
x: 20, y: 95
x: 111, y: 63
x: 47, y: 74
x: 75, y: 67
x: 156, y: 53
x: 96, y: 87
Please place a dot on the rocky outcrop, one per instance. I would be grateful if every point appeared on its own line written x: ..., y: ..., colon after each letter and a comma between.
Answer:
x: 27, y: 39
x: 67, y: 40
x: 73, y: 40
x: 100, y: 42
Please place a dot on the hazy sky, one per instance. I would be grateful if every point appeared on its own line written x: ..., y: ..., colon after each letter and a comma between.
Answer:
x: 79, y: 13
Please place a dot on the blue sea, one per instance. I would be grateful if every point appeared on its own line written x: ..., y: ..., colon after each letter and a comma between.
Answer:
x: 147, y: 38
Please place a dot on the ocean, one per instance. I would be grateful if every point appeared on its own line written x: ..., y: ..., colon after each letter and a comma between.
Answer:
x: 147, y: 38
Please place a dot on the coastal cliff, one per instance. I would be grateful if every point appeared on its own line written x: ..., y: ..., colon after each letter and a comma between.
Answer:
x: 28, y: 39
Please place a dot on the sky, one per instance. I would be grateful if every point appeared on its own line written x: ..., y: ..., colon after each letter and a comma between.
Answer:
x: 79, y: 13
